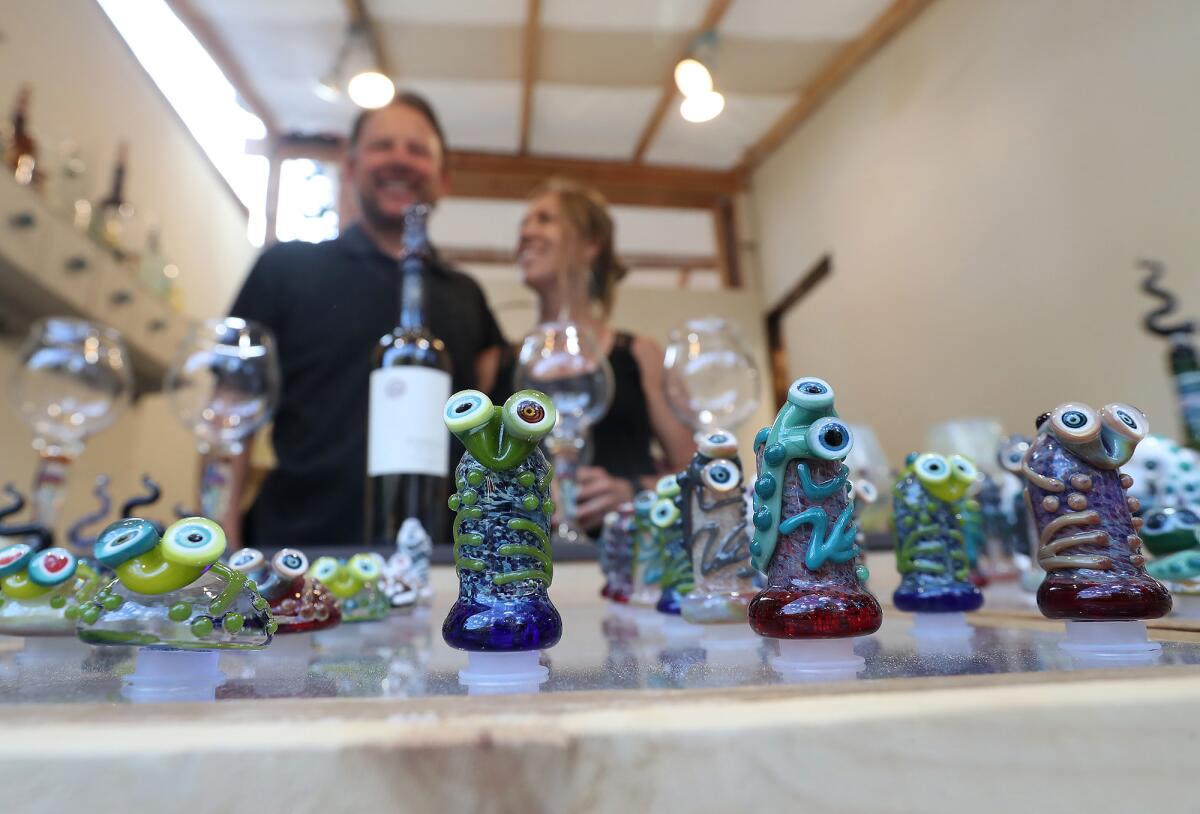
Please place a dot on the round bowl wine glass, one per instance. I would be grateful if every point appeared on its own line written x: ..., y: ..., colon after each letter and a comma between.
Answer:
x: 223, y: 385
x: 71, y: 380
x: 710, y: 379
x: 564, y: 360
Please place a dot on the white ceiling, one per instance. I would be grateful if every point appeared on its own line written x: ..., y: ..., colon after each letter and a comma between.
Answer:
x: 605, y: 64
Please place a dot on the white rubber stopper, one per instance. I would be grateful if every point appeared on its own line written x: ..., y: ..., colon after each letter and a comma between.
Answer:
x: 173, y: 675
x: 818, y: 659
x: 503, y: 673
x: 941, y: 625
x: 1109, y: 641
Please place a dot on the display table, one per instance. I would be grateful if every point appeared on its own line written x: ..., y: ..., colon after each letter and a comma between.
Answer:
x: 375, y: 719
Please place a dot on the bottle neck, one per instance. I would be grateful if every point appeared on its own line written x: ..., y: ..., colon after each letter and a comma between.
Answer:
x: 118, y: 186
x: 412, y: 293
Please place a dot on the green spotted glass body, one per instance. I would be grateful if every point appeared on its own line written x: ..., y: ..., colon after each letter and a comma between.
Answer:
x: 502, y: 512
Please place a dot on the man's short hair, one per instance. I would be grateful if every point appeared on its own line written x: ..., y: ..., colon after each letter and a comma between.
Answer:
x: 409, y: 99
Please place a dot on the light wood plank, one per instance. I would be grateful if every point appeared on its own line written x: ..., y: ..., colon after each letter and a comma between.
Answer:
x: 529, y: 61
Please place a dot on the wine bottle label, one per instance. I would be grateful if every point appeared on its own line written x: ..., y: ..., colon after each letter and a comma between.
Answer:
x: 405, y: 431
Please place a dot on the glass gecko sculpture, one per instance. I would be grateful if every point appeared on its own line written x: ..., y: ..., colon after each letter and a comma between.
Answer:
x: 172, y: 591
x: 647, y: 551
x: 299, y: 603
x: 616, y: 553
x: 717, y: 534
x: 804, y: 538
x: 667, y: 519
x: 406, y: 572
x: 502, y: 512
x: 931, y: 542
x: 41, y: 591
x: 1088, y: 538
x: 357, y: 583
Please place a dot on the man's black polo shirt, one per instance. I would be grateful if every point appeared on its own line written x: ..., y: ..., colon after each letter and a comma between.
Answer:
x: 328, y: 304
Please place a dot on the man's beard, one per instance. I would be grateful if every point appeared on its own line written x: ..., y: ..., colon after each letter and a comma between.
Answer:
x: 377, y: 218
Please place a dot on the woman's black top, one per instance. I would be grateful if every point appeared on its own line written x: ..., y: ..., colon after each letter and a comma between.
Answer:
x: 621, y: 440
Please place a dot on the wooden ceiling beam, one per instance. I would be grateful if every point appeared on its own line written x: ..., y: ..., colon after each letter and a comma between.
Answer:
x: 356, y: 10
x: 208, y: 38
x: 513, y: 177
x: 848, y: 59
x: 530, y: 46
x: 712, y: 17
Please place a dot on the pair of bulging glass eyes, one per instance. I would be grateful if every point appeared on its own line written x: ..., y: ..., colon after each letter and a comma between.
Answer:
x: 193, y: 541
x: 1169, y: 518
x: 363, y: 567
x: 47, y: 568
x: 828, y: 438
x: 1080, y: 423
x: 933, y: 468
x: 288, y: 563
x: 527, y: 414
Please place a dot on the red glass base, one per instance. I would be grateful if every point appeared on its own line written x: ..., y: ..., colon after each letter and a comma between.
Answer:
x: 814, y: 613
x: 1063, y: 596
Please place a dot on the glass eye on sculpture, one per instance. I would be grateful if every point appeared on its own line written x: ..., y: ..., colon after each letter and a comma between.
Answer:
x: 172, y: 591
x: 804, y: 537
x: 501, y: 530
x: 667, y: 519
x: 931, y: 541
x: 716, y: 533
x: 41, y: 590
x: 1088, y: 539
x: 356, y: 583
x: 299, y: 603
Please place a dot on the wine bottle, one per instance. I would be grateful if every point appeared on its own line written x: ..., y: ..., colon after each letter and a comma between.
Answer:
x: 408, y: 446
x: 20, y: 154
x: 112, y: 212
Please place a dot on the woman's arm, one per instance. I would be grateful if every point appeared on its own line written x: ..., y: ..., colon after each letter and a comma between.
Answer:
x: 675, y: 436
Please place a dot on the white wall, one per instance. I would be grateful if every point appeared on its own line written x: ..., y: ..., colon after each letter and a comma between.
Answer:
x: 984, y: 185
x: 88, y: 87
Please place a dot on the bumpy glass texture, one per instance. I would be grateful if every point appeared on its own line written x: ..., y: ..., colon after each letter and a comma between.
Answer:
x: 615, y: 550
x: 218, y: 611
x: 717, y: 529
x: 502, y: 554
x: 27, y: 609
x: 1088, y: 539
x: 298, y: 603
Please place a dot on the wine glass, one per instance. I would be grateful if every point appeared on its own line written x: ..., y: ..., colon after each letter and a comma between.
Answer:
x: 71, y: 380
x: 710, y: 379
x: 564, y: 360
x: 223, y: 384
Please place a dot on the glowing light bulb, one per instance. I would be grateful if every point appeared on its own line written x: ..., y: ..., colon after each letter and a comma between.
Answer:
x: 702, y: 107
x: 692, y: 78
x: 370, y: 89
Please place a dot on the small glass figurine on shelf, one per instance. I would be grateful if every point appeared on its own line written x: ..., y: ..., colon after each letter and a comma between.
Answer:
x: 615, y: 552
x: 1088, y: 539
x: 717, y: 534
x: 814, y: 601
x: 173, y: 591
x: 503, y: 615
x: 406, y: 572
x: 931, y: 543
x: 299, y: 603
x: 357, y: 583
x: 676, y: 559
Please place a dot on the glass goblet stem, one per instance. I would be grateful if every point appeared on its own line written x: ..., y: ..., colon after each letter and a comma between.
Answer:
x: 49, y: 481
x: 216, y: 485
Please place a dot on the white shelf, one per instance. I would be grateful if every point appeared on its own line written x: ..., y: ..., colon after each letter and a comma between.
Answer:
x: 47, y: 268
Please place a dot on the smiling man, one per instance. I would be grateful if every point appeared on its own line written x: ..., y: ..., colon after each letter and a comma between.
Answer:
x: 328, y: 304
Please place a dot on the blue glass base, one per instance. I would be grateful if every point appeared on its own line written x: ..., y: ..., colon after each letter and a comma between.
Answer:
x: 938, y: 598
x: 528, y: 623
x: 670, y: 601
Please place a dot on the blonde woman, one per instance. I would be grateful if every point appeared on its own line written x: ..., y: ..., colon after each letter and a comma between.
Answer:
x: 567, y: 235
